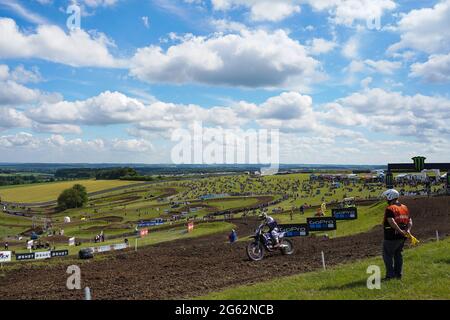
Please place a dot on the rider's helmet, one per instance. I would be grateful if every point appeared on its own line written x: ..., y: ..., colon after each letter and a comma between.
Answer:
x: 391, y: 194
x: 263, y: 216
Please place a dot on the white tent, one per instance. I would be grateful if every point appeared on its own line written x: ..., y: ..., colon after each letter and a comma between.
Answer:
x: 66, y: 219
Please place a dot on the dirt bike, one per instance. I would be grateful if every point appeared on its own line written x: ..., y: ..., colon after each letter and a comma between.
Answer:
x: 262, y: 241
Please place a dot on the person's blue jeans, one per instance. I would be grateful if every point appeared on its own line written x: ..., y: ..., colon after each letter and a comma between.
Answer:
x: 393, y: 259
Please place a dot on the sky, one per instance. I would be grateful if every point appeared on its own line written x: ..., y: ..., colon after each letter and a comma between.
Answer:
x: 344, y: 81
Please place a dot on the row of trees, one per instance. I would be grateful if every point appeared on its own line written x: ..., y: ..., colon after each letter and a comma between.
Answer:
x: 117, y: 173
x: 99, y: 174
x: 13, y: 179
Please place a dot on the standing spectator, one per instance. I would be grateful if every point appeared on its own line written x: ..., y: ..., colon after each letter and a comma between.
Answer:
x: 233, y: 236
x: 302, y: 209
x: 6, y: 246
x: 397, y: 225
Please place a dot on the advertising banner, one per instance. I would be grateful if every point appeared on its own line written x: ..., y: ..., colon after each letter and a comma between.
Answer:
x: 119, y: 246
x: 294, y: 230
x: 151, y: 223
x: 103, y: 248
x: 42, y: 255
x: 345, y: 213
x: 24, y: 256
x: 321, y: 224
x: 59, y: 253
x: 5, y: 256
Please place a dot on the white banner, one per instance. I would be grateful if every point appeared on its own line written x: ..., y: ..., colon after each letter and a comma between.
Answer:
x: 5, y: 256
x: 104, y: 249
x: 42, y: 255
x: 120, y: 246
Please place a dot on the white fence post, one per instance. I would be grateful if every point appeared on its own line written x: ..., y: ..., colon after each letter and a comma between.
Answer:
x: 87, y: 294
x: 437, y: 235
x: 323, y: 261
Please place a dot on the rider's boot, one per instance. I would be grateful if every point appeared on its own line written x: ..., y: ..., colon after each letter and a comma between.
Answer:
x: 276, y: 244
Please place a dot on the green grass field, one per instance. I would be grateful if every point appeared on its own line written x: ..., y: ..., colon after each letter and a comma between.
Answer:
x: 426, y: 276
x: 50, y: 191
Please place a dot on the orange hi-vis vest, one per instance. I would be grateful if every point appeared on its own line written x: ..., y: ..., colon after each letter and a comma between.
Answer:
x: 401, y: 214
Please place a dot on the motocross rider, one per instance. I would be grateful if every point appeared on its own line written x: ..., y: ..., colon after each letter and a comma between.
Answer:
x: 273, y: 228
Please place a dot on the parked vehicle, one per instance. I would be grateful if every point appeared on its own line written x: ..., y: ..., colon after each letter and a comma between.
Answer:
x: 86, y: 253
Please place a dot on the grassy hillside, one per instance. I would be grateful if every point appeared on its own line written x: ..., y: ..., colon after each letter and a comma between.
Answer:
x: 368, y: 217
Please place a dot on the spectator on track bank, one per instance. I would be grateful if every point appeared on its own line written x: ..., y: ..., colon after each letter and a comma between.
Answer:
x: 397, y: 225
x: 233, y: 236
x: 6, y: 246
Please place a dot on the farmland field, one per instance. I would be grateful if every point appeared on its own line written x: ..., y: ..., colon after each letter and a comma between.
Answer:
x: 50, y: 191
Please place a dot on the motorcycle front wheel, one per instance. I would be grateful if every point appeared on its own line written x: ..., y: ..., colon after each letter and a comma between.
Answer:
x: 287, y: 247
x: 255, y: 251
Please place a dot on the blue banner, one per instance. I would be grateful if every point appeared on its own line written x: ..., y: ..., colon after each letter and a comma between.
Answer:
x: 345, y: 213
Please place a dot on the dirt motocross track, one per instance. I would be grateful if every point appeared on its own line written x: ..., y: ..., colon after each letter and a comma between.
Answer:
x: 189, y: 268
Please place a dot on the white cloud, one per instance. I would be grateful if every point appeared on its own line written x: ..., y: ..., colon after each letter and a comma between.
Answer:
x: 99, y: 3
x: 18, y: 140
x: 106, y: 108
x: 51, y: 43
x: 13, y: 93
x: 22, y: 75
x: 249, y: 59
x: 224, y: 25
x: 44, y: 149
x: 339, y: 115
x: 320, y: 46
x: 422, y: 117
x: 383, y: 66
x: 261, y: 10
x: 344, y: 12
x: 425, y: 29
x: 12, y: 118
x: 436, y: 69
x: 56, y: 128
x: 366, y: 82
x: 132, y: 145
x: 350, y: 49
x: 23, y: 12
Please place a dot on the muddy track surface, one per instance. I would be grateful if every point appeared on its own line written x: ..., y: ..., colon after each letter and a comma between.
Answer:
x: 188, y: 268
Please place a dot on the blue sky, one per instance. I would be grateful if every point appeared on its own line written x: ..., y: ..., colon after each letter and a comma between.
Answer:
x: 339, y: 88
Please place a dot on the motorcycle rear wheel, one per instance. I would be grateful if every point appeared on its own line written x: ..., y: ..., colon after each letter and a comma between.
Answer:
x: 255, y: 251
